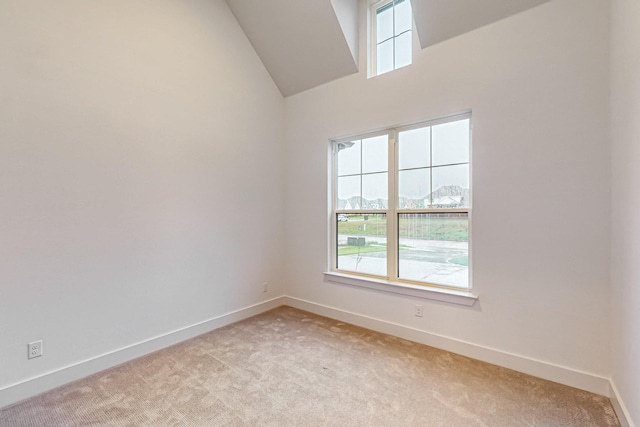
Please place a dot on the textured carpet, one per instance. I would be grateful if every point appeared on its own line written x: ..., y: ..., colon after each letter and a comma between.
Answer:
x: 292, y: 368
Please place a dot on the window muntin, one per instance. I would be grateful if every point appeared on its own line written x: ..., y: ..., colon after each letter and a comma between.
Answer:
x: 412, y: 223
x: 391, y: 26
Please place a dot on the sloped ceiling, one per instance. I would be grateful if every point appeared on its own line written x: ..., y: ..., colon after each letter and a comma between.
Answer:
x: 306, y: 43
x: 439, y: 20
x: 302, y: 43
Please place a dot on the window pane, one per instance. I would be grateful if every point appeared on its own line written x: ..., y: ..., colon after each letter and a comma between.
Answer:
x: 413, y: 149
x: 402, y: 16
x: 413, y: 188
x: 434, y: 248
x: 403, y: 50
x: 451, y: 143
x: 384, y: 57
x: 375, y: 191
x: 362, y: 243
x: 384, y: 23
x: 348, y: 158
x: 348, y: 192
x: 375, y: 154
x: 450, y: 186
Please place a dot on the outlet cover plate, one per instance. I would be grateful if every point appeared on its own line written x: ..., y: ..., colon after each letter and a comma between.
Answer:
x: 34, y: 349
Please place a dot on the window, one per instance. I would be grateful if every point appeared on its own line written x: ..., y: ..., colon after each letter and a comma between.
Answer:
x: 390, y: 25
x: 402, y: 204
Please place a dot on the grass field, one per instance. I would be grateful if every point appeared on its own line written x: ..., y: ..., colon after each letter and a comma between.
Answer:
x: 461, y: 260
x: 412, y: 226
x: 368, y: 248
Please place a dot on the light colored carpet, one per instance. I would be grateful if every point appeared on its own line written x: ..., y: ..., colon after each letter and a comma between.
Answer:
x: 292, y: 368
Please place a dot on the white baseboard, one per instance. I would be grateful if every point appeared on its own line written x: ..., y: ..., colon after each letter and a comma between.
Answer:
x: 33, y: 386
x: 537, y: 368
x: 619, y: 406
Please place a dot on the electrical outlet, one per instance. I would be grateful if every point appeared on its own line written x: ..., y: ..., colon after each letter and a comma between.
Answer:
x: 34, y: 349
x: 265, y: 287
x: 418, y: 310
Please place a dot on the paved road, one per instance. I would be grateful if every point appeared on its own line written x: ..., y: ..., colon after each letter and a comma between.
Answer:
x: 422, y: 260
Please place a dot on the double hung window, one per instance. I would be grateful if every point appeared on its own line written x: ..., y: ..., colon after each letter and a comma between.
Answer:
x: 402, y: 203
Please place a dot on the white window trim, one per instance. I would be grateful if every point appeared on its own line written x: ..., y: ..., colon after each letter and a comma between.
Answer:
x: 372, y: 50
x: 465, y: 298
x: 431, y: 291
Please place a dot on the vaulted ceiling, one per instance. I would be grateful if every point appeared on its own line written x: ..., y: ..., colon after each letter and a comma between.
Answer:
x: 439, y: 20
x: 306, y: 43
x: 302, y: 43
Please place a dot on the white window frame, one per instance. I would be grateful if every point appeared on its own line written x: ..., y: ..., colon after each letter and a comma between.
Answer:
x: 391, y: 283
x: 373, y: 40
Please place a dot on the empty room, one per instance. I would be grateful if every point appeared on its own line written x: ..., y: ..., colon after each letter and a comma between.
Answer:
x: 319, y: 213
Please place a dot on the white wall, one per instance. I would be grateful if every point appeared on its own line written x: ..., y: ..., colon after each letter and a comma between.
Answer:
x: 625, y: 243
x: 141, y: 184
x: 538, y: 87
x: 140, y: 175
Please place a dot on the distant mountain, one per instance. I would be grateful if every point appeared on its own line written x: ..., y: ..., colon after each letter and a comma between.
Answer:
x: 450, y: 190
x: 354, y: 203
x: 448, y: 196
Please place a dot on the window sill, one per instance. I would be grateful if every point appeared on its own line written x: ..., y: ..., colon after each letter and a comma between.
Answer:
x: 436, y: 294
